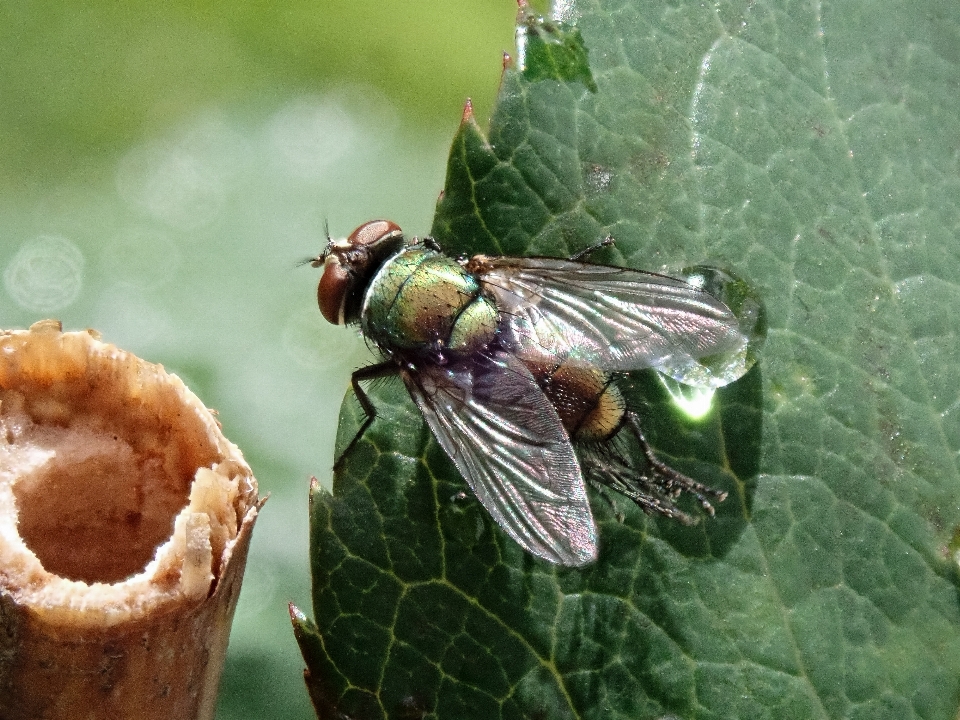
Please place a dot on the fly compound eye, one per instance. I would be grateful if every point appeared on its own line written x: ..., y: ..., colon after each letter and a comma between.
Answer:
x: 374, y: 233
x: 332, y: 290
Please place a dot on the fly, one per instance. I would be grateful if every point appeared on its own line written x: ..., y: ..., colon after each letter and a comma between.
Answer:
x: 511, y: 360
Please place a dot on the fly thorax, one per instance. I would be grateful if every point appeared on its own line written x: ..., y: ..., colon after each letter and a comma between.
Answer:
x: 475, y: 327
x: 416, y: 299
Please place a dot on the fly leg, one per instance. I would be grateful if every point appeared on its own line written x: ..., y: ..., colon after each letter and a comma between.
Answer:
x: 371, y: 372
x: 601, y: 486
x: 648, y: 493
x: 671, y: 481
x: 588, y: 251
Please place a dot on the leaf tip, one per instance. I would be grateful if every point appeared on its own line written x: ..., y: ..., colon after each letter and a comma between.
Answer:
x: 297, y: 615
x: 467, y: 116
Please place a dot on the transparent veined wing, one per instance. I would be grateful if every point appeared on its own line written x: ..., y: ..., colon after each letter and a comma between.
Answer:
x: 506, y: 439
x: 615, y: 318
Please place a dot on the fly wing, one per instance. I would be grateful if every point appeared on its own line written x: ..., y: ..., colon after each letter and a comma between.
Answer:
x: 615, y: 318
x: 506, y: 439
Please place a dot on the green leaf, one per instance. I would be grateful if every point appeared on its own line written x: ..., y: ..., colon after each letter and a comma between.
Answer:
x: 549, y: 50
x: 812, y: 150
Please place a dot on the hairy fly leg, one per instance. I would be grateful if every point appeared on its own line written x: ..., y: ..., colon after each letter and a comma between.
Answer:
x: 669, y: 480
x: 383, y: 369
x: 585, y: 254
x: 654, y: 488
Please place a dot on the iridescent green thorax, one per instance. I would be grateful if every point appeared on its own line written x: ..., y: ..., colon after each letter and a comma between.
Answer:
x: 421, y: 300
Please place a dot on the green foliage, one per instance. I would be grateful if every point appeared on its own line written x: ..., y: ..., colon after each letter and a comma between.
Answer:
x: 811, y: 149
x: 83, y: 80
x: 552, y: 51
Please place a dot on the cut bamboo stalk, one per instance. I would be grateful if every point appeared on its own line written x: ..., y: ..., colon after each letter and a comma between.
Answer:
x: 125, y: 518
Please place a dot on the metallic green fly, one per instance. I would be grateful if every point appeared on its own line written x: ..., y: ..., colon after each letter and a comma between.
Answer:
x: 512, y: 360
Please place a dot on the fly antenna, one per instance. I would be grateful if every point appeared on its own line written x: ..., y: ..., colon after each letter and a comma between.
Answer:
x: 318, y: 260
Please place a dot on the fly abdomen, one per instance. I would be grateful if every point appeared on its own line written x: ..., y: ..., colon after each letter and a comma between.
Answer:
x: 590, y: 406
x: 604, y: 420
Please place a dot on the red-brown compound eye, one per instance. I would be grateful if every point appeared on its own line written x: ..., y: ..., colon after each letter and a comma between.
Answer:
x: 373, y: 232
x: 332, y: 290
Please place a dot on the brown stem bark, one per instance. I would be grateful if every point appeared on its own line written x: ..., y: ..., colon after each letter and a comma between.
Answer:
x: 125, y: 518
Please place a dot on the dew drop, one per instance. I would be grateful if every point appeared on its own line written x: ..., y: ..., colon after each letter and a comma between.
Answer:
x: 745, y: 302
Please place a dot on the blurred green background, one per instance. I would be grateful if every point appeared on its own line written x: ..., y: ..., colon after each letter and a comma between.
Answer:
x: 163, y: 168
